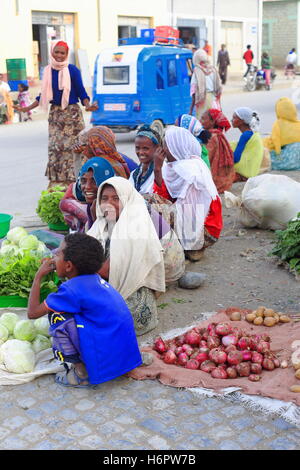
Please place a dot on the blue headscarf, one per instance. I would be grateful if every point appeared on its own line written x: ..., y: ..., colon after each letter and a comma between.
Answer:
x: 102, y: 170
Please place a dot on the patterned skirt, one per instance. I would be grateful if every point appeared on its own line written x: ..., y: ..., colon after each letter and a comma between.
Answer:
x: 64, y: 126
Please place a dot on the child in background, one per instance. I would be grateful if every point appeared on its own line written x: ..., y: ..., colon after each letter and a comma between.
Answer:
x: 24, y: 99
x: 90, y: 323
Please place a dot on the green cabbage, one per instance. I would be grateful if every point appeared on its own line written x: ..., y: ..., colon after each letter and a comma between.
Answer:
x: 16, y: 234
x: 42, y: 326
x: 17, y: 356
x: 25, y: 330
x: 9, y: 250
x: 9, y: 320
x: 40, y: 343
x: 4, y: 333
x: 30, y: 242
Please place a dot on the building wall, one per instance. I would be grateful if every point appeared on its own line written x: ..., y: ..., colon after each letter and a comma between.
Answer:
x: 93, y: 32
x: 248, y: 13
x: 281, y: 25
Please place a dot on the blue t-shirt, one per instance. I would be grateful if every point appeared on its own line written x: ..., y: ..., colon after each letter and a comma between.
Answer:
x: 77, y: 89
x: 241, y: 145
x: 107, y: 338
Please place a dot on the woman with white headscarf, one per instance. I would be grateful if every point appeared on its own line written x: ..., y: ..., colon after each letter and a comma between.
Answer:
x: 206, y: 86
x: 249, y: 150
x: 186, y: 180
x: 134, y: 263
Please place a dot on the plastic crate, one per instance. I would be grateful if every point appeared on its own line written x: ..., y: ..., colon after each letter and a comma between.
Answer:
x: 14, y: 84
x: 166, y: 34
x: 148, y: 33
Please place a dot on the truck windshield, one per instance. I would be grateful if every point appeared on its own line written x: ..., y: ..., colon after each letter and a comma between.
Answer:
x: 116, y: 75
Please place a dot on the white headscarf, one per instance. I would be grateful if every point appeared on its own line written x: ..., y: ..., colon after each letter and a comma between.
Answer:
x: 249, y: 116
x: 189, y: 180
x: 136, y: 255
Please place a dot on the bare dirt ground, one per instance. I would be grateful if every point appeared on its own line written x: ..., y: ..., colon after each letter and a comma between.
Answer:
x: 239, y: 273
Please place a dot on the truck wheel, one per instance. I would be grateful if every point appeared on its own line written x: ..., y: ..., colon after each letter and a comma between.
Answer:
x: 158, y: 126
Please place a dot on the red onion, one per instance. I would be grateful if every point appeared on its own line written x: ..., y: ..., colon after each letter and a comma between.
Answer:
x: 205, y: 335
x: 170, y: 357
x: 207, y: 366
x: 204, y: 350
x: 255, y: 368
x: 187, y: 348
x: 213, y: 342
x: 247, y: 355
x: 211, y: 328
x: 180, y: 340
x: 276, y: 362
x: 254, y: 377
x: 228, y: 340
x: 217, y: 356
x: 159, y: 345
x: 230, y: 348
x: 265, y: 337
x: 182, y: 359
x: 178, y: 350
x: 192, y: 364
x: 243, y: 369
x: 263, y: 346
x: 234, y: 357
x: 244, y: 343
x: 231, y: 372
x: 257, y: 357
x: 201, y: 357
x: 192, y: 338
x: 219, y: 373
x: 268, y: 364
x: 223, y: 329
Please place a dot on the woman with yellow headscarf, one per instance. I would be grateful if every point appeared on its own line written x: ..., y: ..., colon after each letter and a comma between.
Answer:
x: 284, y: 141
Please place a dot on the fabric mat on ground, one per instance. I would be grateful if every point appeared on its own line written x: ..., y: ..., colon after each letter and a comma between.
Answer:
x: 273, y: 384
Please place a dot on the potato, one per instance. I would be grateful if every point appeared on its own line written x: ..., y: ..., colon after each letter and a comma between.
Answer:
x: 235, y: 316
x: 269, y: 312
x: 276, y: 316
x: 284, y: 319
x: 250, y: 317
x: 297, y: 374
x: 260, y: 311
x: 295, y: 388
x: 258, y: 321
x: 296, y: 359
x: 269, y: 321
x: 296, y: 344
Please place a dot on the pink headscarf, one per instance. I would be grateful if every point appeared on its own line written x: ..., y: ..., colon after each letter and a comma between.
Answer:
x: 64, y: 80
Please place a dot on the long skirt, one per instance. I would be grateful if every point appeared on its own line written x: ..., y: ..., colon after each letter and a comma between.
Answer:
x: 64, y: 126
x: 143, y: 308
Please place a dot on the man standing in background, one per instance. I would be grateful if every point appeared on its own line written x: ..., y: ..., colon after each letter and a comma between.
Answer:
x: 223, y: 62
x: 207, y: 48
x: 248, y: 58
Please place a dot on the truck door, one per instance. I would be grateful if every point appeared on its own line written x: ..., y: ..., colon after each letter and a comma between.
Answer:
x: 173, y: 87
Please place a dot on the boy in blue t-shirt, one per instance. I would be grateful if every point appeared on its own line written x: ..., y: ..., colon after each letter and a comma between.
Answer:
x: 90, y: 323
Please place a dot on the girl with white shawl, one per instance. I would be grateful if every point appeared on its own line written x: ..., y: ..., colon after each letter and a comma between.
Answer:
x: 134, y: 256
x: 188, y: 181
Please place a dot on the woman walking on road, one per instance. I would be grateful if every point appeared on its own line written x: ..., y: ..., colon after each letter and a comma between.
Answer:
x: 62, y: 87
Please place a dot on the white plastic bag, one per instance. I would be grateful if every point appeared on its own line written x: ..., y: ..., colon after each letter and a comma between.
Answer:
x: 267, y: 201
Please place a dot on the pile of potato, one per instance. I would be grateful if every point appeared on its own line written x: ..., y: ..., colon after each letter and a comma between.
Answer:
x: 266, y: 317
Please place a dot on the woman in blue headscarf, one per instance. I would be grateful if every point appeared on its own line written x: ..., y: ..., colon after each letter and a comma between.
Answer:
x: 195, y: 127
x: 78, y: 203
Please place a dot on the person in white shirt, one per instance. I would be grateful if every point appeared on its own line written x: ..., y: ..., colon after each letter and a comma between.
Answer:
x: 4, y: 85
x: 291, y: 62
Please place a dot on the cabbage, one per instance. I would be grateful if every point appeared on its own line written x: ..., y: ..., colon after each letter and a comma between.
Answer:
x: 4, y: 333
x: 25, y: 330
x: 40, y: 343
x: 42, y: 325
x: 41, y: 249
x: 9, y: 250
x: 18, y: 356
x: 30, y: 242
x: 6, y: 242
x: 16, y: 234
x: 9, y: 319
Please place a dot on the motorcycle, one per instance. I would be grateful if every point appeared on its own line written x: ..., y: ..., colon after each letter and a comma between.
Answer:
x: 256, y: 79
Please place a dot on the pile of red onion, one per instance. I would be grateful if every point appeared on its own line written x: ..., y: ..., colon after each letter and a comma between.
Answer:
x: 224, y: 351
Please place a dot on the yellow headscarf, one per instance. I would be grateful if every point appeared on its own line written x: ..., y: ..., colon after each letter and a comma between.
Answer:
x: 286, y: 129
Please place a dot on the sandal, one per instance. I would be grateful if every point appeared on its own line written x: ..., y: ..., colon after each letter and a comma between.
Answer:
x: 75, y: 381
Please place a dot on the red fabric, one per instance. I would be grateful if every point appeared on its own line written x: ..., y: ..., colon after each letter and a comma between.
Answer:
x: 219, y: 119
x: 248, y: 56
x: 214, y: 219
x: 63, y: 44
x: 221, y: 160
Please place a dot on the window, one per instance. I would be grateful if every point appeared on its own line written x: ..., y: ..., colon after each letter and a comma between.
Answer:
x: 172, y: 74
x: 159, y: 75
x: 116, y: 75
x: 184, y: 71
x: 266, y: 35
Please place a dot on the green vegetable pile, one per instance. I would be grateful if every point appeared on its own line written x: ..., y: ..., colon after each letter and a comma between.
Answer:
x: 21, y: 340
x: 20, y: 259
x: 287, y: 246
x: 48, y: 205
